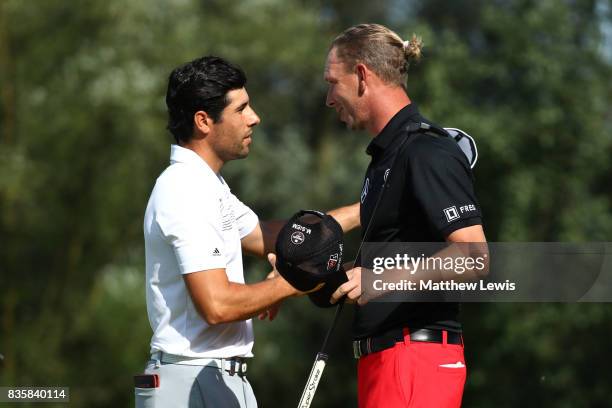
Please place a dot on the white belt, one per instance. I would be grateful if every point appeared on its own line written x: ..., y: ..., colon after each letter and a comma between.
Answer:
x: 233, y: 365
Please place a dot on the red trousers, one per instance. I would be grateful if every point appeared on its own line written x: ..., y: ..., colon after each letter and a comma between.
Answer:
x: 412, y: 374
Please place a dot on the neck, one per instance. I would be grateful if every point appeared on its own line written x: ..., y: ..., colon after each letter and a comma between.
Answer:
x: 385, y: 106
x: 213, y: 161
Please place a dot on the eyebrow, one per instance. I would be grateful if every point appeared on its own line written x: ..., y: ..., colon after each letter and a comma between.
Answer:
x: 327, y: 76
x: 242, y: 106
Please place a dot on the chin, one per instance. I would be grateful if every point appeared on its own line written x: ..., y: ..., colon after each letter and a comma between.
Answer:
x: 353, y: 126
x: 243, y: 154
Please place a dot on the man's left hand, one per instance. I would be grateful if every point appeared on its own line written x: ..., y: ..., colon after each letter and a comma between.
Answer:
x: 352, y: 288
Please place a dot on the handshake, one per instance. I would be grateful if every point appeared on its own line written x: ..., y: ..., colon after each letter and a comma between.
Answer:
x: 309, y: 252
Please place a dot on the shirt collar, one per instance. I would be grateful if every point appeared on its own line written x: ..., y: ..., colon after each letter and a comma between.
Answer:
x: 409, y: 113
x: 180, y: 154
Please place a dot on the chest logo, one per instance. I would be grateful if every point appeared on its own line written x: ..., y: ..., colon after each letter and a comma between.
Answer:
x: 364, y: 192
x: 386, y: 175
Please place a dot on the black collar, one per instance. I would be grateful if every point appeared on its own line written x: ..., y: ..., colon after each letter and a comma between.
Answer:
x: 409, y: 113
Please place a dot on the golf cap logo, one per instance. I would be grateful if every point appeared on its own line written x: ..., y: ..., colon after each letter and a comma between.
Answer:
x: 301, y: 228
x: 332, y: 262
x: 451, y: 213
x: 297, y: 238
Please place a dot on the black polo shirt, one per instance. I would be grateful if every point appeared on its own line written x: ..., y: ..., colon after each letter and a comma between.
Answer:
x: 428, y: 182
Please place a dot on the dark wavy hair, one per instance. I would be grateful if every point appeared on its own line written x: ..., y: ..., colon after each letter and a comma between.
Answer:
x: 199, y: 85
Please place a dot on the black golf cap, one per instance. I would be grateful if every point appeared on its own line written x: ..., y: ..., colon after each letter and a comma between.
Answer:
x: 309, y: 251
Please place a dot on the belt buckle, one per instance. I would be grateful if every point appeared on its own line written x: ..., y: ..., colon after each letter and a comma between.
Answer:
x: 357, y: 349
x: 237, y: 365
x: 232, y: 369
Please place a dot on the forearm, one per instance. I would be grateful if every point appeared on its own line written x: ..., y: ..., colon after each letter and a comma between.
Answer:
x: 456, y: 263
x: 237, y: 302
x: 385, y: 272
x: 469, y: 261
x: 262, y: 240
x: 347, y: 216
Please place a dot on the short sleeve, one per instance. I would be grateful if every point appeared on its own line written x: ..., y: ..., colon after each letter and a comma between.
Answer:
x: 246, y: 219
x: 443, y: 185
x: 191, y: 223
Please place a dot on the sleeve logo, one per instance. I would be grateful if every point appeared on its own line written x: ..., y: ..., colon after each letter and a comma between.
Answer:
x: 451, y: 213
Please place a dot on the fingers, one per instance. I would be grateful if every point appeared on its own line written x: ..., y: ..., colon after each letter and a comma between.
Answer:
x: 362, y: 300
x: 350, y: 289
x: 345, y: 289
x: 272, y: 260
x: 273, y: 311
x: 319, y: 286
x: 270, y: 313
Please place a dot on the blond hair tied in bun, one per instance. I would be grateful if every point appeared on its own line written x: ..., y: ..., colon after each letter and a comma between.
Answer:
x: 380, y: 49
x: 412, y: 49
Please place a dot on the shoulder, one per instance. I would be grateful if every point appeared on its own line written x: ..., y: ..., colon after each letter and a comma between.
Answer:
x: 428, y: 148
x: 181, y: 184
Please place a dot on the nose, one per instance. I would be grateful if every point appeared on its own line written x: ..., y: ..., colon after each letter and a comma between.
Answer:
x: 254, y: 119
x: 329, y: 100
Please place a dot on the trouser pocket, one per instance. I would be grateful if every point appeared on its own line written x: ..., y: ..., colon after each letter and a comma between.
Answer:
x: 145, y: 397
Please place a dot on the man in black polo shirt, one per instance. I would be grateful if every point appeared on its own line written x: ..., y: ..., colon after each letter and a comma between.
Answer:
x: 410, y: 354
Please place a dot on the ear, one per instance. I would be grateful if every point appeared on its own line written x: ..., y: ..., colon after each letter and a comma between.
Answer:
x: 202, y: 122
x: 362, y: 76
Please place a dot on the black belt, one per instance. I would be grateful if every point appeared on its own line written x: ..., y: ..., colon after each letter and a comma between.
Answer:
x: 388, y: 339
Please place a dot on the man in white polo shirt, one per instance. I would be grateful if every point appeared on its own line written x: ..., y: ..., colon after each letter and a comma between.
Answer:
x: 195, y: 229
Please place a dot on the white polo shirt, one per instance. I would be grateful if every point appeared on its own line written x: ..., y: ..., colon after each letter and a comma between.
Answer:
x: 193, y: 223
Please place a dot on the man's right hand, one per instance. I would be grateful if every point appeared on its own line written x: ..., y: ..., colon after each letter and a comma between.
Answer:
x: 273, y: 310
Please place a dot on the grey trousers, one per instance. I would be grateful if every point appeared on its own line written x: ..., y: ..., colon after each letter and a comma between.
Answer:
x: 195, y: 387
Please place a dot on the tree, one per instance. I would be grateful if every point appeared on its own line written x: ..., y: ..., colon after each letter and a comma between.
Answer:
x: 82, y: 140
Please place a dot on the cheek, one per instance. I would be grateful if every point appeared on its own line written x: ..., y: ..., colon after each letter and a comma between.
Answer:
x: 340, y: 98
x: 348, y: 103
x: 230, y: 130
x: 348, y: 95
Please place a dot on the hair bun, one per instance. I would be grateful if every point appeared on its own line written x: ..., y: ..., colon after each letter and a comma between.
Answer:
x: 412, y: 48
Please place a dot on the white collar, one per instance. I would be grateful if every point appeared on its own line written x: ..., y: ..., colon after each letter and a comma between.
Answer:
x: 180, y: 154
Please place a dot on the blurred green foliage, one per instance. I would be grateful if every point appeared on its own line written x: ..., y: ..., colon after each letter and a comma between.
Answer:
x: 82, y: 139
